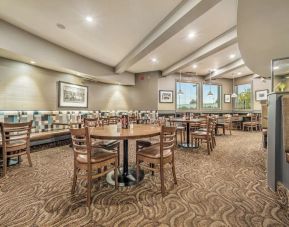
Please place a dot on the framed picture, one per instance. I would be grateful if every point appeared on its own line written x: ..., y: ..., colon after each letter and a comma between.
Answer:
x: 261, y: 95
x: 227, y: 98
x: 165, y: 96
x: 72, y: 95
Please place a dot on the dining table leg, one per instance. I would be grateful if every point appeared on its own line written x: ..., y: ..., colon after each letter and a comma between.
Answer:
x: 188, y: 134
x: 127, y: 174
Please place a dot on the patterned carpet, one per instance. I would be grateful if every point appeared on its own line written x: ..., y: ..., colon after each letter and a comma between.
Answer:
x: 227, y: 188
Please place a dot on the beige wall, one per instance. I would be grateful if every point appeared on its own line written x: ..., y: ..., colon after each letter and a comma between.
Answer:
x: 168, y: 83
x: 27, y: 87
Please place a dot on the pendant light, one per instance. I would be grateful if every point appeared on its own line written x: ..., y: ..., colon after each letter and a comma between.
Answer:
x: 180, y: 92
x: 210, y: 92
x: 234, y: 95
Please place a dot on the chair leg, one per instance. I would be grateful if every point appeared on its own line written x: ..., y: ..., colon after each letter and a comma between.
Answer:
x: 208, y: 147
x: 89, y: 181
x: 29, y: 158
x: 118, y: 155
x: 162, y: 179
x: 174, y: 172
x: 74, y: 180
x: 115, y: 175
x: 4, y: 164
x: 137, y: 170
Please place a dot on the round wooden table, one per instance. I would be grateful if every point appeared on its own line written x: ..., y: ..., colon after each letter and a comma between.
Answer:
x: 127, y: 176
x: 181, y: 120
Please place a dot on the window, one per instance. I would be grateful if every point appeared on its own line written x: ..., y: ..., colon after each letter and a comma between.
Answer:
x: 243, y: 100
x: 212, y: 101
x: 187, y: 96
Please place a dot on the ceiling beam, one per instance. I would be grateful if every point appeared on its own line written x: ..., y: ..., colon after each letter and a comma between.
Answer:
x: 185, y: 13
x: 219, y: 43
x: 227, y: 68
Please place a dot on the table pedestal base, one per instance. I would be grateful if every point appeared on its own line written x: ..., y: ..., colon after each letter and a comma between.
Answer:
x: 125, y: 180
x: 185, y: 145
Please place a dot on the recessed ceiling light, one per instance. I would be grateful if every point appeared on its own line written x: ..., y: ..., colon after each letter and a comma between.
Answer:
x: 232, y: 56
x: 239, y: 73
x: 32, y: 62
x: 89, y: 18
x: 195, y: 66
x: 154, y: 60
x: 191, y: 35
x: 276, y: 67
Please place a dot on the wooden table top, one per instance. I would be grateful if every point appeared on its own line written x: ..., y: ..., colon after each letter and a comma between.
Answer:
x: 138, y: 131
x: 67, y: 123
x: 194, y: 120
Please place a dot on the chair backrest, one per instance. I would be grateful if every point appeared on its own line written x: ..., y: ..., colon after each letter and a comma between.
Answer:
x: 15, y: 136
x: 81, y: 142
x: 254, y: 118
x: 112, y: 120
x: 92, y: 122
x: 264, y: 119
x: 167, y: 139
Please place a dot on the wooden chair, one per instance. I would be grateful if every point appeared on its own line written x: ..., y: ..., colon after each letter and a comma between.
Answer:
x: 112, y: 145
x: 15, y: 141
x: 205, y: 135
x: 112, y: 120
x: 180, y: 129
x: 228, y: 123
x: 157, y: 156
x: 264, y: 123
x: 94, y: 162
x: 251, y: 124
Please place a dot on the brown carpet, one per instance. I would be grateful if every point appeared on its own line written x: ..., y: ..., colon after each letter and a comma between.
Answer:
x: 227, y: 188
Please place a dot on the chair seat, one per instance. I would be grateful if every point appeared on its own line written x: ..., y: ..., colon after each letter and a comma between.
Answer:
x: 147, y: 142
x: 154, y: 152
x: 105, y: 143
x: 15, y: 146
x: 250, y: 123
x: 200, y: 133
x: 98, y: 155
x: 181, y: 128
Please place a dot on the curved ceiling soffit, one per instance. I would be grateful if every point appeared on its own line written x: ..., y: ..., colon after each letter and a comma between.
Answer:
x: 263, y: 33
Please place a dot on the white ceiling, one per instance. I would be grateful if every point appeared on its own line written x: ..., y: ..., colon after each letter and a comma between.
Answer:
x: 120, y: 25
x: 243, y: 71
x: 214, y: 61
x: 216, y: 21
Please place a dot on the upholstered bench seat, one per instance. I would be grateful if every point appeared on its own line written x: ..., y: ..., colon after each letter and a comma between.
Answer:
x: 49, y: 136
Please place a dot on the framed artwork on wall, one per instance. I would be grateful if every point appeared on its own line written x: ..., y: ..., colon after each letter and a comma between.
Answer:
x: 261, y: 95
x: 166, y: 96
x: 227, y: 98
x: 72, y: 95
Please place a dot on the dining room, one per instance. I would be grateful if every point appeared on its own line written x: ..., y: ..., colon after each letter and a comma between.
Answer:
x: 146, y: 113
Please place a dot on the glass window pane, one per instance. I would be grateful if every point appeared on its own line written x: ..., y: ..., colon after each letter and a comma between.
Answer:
x: 244, y: 93
x: 212, y: 101
x: 187, y: 96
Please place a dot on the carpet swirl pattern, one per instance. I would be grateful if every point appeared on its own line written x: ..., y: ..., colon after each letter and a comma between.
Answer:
x: 227, y: 188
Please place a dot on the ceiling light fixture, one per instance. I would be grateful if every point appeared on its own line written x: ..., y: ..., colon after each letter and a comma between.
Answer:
x: 191, y: 35
x: 234, y: 95
x: 210, y: 94
x: 89, y: 18
x: 232, y: 56
x: 180, y: 92
x: 276, y: 67
x: 154, y: 60
x: 195, y: 66
x: 239, y: 73
x: 32, y: 62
